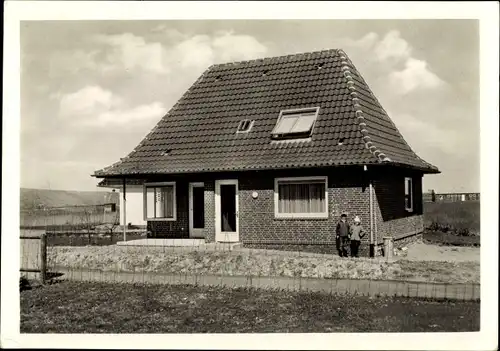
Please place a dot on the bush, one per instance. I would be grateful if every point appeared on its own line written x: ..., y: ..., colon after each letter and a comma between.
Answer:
x: 24, y: 284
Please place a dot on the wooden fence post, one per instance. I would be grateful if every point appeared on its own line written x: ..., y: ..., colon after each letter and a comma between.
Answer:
x: 43, y: 257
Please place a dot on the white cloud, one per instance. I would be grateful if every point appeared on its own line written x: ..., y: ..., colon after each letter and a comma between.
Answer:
x: 86, y: 101
x: 238, y: 47
x: 143, y: 114
x: 414, y: 130
x: 392, y: 55
x: 414, y: 76
x: 196, y: 51
x: 392, y: 47
x: 128, y: 51
x: 97, y: 107
x: 201, y: 51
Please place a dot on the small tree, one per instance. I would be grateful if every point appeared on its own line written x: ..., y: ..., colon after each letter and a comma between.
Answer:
x: 109, y: 227
x: 86, y: 221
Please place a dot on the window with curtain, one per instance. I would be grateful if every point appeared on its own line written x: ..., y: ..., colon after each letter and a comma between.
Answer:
x: 408, y: 195
x: 301, y: 198
x: 160, y: 201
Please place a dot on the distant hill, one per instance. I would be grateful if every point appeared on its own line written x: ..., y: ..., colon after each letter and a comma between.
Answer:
x: 36, y: 198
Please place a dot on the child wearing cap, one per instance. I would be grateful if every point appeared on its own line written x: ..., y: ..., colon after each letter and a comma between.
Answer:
x: 342, y: 235
x: 356, y: 233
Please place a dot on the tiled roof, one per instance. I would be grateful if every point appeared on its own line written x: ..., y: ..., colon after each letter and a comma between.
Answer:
x: 199, y: 133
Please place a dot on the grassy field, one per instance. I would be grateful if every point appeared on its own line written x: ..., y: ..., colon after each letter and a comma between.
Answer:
x: 450, y: 239
x: 453, y: 216
x: 72, y: 307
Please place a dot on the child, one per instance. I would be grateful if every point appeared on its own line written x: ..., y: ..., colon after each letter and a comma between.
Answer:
x: 342, y: 235
x: 356, y: 233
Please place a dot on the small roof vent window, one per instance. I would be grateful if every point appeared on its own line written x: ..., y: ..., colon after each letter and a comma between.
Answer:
x: 320, y: 66
x: 244, y: 126
x: 265, y: 73
x: 295, y: 124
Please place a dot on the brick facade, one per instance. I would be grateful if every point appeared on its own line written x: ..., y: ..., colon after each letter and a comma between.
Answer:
x: 348, y: 190
x: 258, y: 224
x: 391, y: 217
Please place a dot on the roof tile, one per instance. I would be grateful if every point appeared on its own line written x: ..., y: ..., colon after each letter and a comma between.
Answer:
x: 201, y: 133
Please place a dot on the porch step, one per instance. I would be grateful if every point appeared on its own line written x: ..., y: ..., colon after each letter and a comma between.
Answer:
x: 164, y: 242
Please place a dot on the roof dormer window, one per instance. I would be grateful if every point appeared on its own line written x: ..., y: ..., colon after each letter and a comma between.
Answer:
x: 244, y: 126
x: 296, y: 123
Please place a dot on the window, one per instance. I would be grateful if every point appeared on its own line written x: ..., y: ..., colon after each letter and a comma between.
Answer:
x: 295, y: 123
x: 244, y: 126
x: 159, y: 201
x: 304, y: 197
x: 408, y: 195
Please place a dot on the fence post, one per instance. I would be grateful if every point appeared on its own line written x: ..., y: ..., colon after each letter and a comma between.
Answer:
x: 43, y: 257
x: 388, y: 248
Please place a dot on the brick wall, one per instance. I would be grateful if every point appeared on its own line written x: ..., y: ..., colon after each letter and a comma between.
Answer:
x: 209, y: 210
x: 347, y: 191
x: 392, y: 219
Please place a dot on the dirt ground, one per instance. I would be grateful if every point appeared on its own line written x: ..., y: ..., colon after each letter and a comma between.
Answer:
x: 429, y: 252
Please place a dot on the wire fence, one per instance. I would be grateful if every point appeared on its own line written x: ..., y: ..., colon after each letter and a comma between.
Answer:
x: 101, y: 255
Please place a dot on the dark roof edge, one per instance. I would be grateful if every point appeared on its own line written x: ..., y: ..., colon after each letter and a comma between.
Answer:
x: 376, y: 164
x: 277, y: 58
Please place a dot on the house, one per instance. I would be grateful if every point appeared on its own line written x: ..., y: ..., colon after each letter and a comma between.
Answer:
x: 134, y: 196
x: 270, y: 152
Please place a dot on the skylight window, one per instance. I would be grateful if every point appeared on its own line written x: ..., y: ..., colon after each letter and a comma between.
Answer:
x: 244, y: 126
x: 296, y: 123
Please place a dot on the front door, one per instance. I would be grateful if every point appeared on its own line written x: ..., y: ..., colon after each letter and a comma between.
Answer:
x: 196, y: 210
x: 226, y: 210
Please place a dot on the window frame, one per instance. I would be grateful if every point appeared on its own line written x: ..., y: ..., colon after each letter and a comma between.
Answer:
x: 250, y: 125
x: 410, y: 188
x: 297, y: 135
x: 145, y: 201
x: 310, y: 215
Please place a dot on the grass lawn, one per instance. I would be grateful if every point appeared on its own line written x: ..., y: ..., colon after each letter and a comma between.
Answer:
x: 453, y: 215
x: 450, y: 239
x: 77, y: 307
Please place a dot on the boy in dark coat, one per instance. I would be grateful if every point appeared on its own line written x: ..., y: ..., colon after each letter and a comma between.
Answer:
x: 342, y: 235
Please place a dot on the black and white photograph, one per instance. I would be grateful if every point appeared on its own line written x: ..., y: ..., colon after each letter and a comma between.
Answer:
x: 217, y: 173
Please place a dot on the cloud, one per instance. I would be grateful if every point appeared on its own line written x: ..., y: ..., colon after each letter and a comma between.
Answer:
x: 414, y: 76
x: 98, y: 107
x: 414, y: 129
x: 201, y: 51
x: 128, y: 52
x: 237, y: 47
x: 393, y: 56
x: 87, y: 100
x: 140, y: 114
x: 392, y: 47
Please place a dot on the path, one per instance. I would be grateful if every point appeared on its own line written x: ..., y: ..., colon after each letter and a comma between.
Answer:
x: 361, y: 287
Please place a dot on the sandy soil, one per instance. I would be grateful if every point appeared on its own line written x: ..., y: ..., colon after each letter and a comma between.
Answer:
x: 428, y: 252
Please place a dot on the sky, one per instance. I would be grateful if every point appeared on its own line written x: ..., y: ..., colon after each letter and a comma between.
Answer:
x: 91, y: 90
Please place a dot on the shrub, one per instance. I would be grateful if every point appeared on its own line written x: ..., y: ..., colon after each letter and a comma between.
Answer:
x: 24, y: 284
